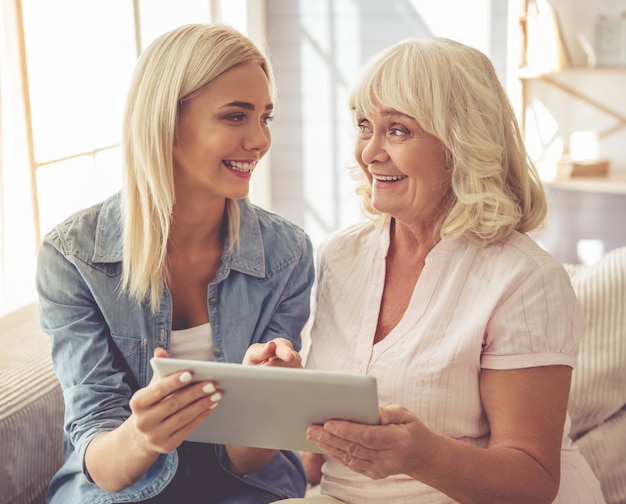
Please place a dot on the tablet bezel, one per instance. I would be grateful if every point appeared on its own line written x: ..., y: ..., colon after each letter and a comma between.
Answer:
x: 271, y: 407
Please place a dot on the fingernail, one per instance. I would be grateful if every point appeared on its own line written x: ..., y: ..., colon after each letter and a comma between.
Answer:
x: 209, y: 388
x: 313, y: 435
x: 185, y: 377
x: 216, y: 397
x: 330, y: 427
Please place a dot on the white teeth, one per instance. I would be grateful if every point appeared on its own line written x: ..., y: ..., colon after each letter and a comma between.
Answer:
x: 389, y: 178
x: 239, y: 166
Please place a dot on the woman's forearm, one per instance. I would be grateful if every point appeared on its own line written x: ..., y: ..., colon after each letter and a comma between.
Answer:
x: 471, y: 474
x: 116, y: 459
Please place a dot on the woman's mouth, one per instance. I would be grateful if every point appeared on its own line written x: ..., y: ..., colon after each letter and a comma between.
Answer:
x: 239, y: 166
x: 389, y: 178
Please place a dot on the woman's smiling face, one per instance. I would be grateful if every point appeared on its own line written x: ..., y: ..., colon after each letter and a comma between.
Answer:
x: 222, y: 132
x: 405, y: 165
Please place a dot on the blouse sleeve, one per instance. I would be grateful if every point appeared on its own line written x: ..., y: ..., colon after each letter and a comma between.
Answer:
x: 538, y: 323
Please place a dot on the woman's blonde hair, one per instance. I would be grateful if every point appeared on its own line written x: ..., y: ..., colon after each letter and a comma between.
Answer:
x: 171, y: 70
x: 453, y: 92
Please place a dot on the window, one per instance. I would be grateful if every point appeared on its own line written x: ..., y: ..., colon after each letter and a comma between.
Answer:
x: 64, y: 70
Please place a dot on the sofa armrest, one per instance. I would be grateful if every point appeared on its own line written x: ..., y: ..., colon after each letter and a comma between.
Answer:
x: 31, y: 409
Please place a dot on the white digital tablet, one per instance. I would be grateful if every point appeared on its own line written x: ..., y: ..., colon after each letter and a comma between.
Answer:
x: 271, y: 407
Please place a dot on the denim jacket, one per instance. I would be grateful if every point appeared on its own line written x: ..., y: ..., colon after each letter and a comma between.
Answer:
x: 102, y: 340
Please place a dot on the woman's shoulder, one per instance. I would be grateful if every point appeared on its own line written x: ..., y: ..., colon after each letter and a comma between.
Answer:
x: 272, y: 222
x: 520, y: 255
x: 276, y: 230
x: 282, y: 240
x: 522, y: 248
x: 85, y: 230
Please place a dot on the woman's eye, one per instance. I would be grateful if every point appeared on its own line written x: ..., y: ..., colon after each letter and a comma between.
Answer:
x: 364, y: 128
x: 236, y: 117
x: 267, y: 119
x: 396, y: 132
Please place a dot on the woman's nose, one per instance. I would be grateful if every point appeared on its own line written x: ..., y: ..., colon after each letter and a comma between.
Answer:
x: 373, y: 150
x: 258, y: 137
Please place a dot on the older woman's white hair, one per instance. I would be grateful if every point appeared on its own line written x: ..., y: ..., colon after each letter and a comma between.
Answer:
x: 453, y: 92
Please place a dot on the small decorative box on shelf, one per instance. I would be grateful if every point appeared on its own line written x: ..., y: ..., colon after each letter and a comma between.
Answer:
x: 613, y: 183
x: 568, y: 168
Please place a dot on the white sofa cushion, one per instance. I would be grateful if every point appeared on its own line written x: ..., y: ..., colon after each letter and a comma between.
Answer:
x: 599, y: 380
x: 604, y: 447
x: 597, y: 403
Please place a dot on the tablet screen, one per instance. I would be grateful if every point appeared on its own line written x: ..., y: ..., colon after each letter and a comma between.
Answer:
x: 271, y: 407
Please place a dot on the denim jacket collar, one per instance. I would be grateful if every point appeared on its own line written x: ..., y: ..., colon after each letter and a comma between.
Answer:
x: 108, y: 243
x: 248, y: 258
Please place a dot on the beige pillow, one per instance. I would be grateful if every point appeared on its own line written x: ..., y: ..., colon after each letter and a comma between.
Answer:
x: 604, y: 448
x: 599, y: 380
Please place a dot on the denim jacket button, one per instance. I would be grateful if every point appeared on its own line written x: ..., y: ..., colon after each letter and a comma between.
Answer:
x: 217, y: 352
x: 213, y: 301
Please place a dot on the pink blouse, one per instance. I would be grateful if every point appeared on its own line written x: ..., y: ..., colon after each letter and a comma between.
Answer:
x: 508, y: 305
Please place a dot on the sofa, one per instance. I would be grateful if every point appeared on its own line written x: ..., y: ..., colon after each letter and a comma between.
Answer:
x: 31, y: 402
x: 597, y: 402
x: 31, y: 409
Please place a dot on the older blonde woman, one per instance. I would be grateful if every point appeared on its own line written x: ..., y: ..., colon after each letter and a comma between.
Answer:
x: 470, y: 328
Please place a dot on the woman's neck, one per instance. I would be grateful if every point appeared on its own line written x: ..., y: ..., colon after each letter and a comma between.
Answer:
x: 202, y: 225
x: 412, y: 244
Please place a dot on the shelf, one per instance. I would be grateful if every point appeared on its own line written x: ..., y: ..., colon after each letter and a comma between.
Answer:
x: 530, y: 74
x: 553, y: 80
x: 615, y: 183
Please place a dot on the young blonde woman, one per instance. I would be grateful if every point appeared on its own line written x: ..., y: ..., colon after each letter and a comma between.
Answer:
x: 470, y: 328
x: 178, y: 264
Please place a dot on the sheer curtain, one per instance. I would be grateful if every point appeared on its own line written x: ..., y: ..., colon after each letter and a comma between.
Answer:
x: 61, y: 98
x: 17, y: 224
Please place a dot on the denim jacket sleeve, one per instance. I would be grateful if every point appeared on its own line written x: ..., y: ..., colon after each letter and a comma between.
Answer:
x: 283, y: 476
x: 97, y: 384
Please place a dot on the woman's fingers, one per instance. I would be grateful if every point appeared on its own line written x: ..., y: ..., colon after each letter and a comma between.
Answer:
x: 169, y: 408
x: 374, y: 450
x: 160, y: 353
x: 259, y: 353
x: 277, y: 352
x: 285, y: 352
x: 179, y: 414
